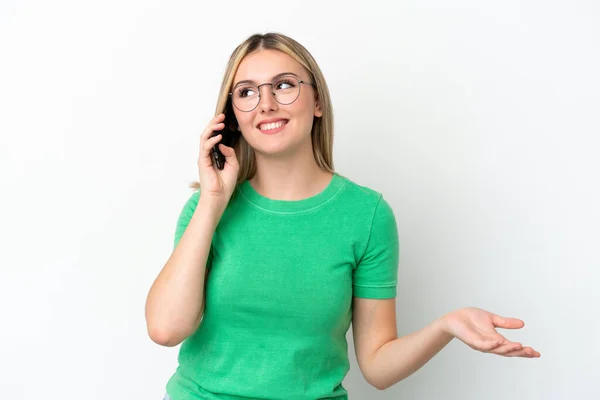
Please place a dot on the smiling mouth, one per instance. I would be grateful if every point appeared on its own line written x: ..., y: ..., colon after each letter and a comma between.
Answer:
x: 272, y: 125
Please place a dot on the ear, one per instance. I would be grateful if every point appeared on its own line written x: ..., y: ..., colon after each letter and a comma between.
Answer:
x: 318, y: 111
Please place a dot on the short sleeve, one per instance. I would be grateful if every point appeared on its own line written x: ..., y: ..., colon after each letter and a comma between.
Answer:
x: 183, y: 221
x: 376, y: 274
x: 185, y: 216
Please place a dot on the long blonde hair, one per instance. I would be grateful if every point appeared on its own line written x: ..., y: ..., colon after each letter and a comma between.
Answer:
x: 322, y: 130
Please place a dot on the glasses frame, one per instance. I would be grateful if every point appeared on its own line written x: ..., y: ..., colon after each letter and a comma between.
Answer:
x: 300, y: 83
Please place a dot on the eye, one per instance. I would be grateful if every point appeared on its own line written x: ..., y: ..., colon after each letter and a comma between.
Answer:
x: 285, y: 83
x: 246, y: 91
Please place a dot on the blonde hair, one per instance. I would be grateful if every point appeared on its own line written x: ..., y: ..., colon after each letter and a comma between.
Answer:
x: 322, y: 130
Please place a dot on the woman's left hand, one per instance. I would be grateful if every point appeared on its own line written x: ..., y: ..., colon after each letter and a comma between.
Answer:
x: 477, y: 329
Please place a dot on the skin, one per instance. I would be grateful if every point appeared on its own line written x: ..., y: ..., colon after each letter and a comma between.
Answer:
x: 286, y: 170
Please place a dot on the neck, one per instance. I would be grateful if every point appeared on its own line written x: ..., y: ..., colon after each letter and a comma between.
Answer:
x: 285, y: 179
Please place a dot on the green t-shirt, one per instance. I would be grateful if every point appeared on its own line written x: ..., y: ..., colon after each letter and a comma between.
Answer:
x: 279, y: 293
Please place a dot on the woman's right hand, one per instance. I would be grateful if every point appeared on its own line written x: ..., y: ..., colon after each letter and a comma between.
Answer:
x: 214, y: 182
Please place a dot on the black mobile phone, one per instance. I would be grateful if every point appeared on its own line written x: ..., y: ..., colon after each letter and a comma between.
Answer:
x: 230, y: 136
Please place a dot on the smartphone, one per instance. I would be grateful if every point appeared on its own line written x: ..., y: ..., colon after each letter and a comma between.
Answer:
x: 230, y: 136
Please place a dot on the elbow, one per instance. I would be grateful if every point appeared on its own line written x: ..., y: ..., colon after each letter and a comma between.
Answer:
x: 378, y: 385
x: 170, y: 333
x: 378, y: 382
x: 170, y: 337
x: 165, y: 338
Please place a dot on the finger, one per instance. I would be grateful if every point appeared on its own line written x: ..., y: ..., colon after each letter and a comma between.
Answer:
x: 526, y: 352
x: 507, y: 323
x: 507, y: 348
x: 205, y: 157
x: 211, y: 142
x: 229, y: 153
x: 218, y: 119
x: 209, y: 131
x: 488, y: 344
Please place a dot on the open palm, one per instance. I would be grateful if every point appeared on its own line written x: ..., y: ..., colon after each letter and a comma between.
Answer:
x: 477, y: 329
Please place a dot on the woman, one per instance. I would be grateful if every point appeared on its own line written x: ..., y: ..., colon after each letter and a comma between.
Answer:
x: 285, y: 253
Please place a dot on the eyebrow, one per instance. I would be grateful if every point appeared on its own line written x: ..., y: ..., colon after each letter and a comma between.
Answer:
x: 272, y: 79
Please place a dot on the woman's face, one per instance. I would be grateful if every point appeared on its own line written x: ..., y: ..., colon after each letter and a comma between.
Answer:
x: 297, y: 117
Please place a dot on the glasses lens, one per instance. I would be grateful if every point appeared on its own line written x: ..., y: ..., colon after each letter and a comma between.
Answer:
x: 286, y: 90
x: 245, y: 97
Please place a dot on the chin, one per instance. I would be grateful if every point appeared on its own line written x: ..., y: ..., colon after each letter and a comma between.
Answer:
x: 271, y: 145
x: 272, y: 151
x: 280, y: 144
x: 279, y: 149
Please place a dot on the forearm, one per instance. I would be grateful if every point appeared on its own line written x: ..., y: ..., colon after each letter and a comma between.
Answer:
x: 175, y: 302
x: 403, y: 356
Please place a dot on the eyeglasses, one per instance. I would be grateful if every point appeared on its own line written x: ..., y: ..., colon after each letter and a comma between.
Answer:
x: 285, y: 89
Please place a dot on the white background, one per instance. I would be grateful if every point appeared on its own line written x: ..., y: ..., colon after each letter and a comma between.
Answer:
x: 478, y: 120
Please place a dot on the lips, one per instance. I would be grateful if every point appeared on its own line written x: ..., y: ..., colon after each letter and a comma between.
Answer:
x: 272, y: 128
x: 272, y: 124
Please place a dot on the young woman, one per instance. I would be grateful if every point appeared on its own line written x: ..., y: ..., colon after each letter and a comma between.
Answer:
x: 276, y: 254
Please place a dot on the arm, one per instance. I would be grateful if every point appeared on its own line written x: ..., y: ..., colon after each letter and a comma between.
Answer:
x: 175, y: 302
x: 385, y: 359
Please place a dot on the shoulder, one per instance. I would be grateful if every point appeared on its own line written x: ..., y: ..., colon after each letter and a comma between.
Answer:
x: 356, y: 189
x: 361, y: 195
x: 369, y: 209
x: 192, y: 202
x: 186, y: 212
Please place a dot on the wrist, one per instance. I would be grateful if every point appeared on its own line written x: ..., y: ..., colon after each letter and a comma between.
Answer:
x: 212, y: 201
x: 442, y: 326
x: 211, y: 208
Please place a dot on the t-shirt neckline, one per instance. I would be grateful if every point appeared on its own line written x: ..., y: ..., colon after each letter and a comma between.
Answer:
x: 292, y: 206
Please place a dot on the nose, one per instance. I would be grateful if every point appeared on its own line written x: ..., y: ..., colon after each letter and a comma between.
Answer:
x: 267, y: 98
